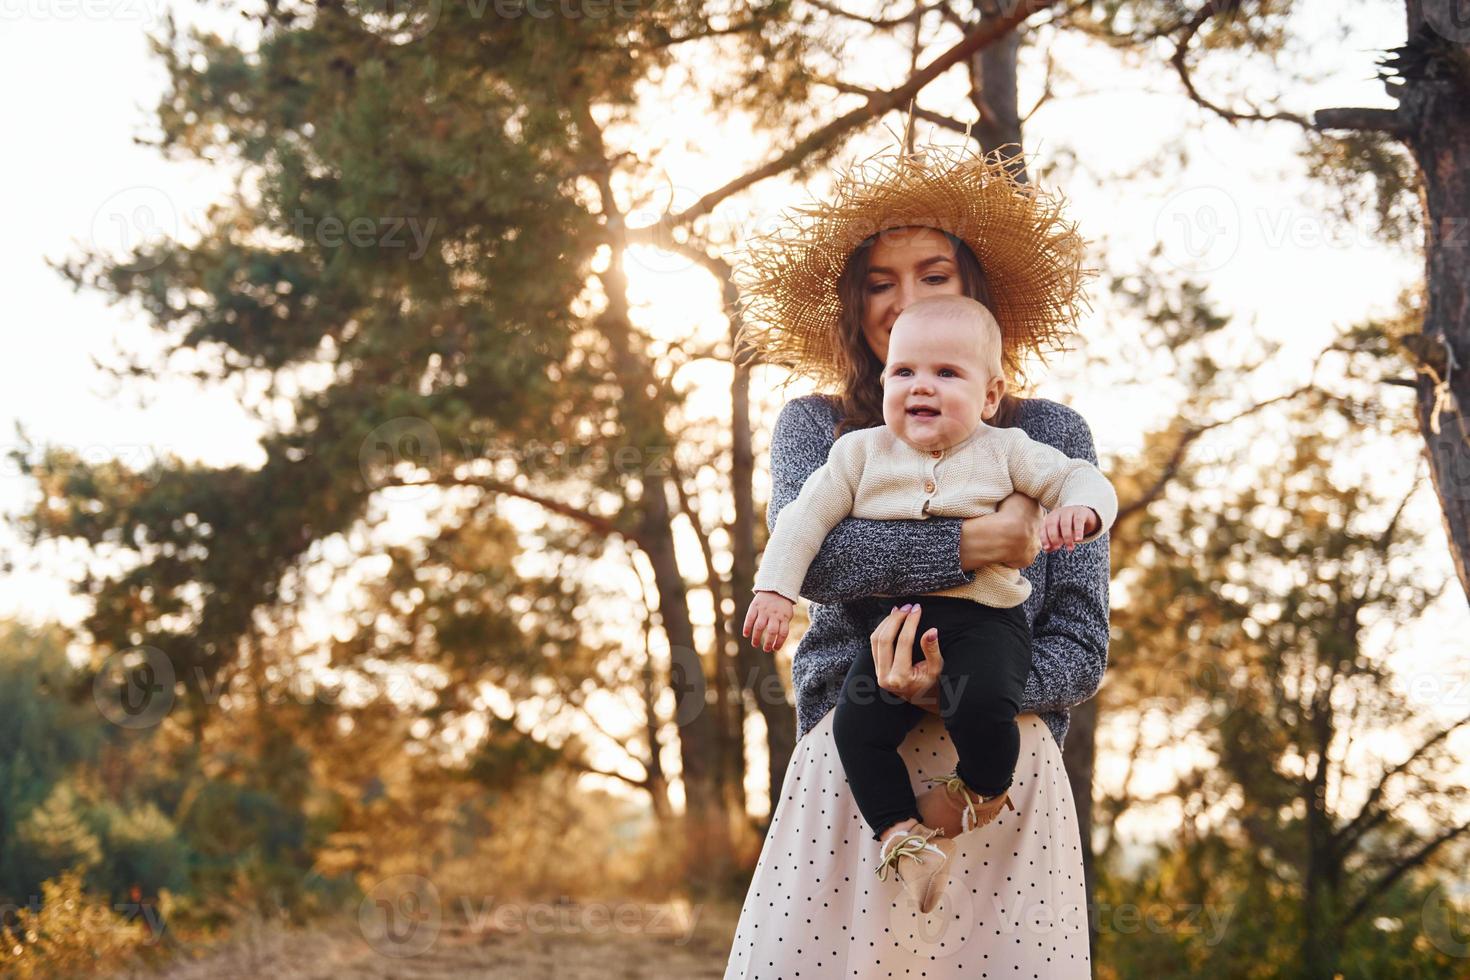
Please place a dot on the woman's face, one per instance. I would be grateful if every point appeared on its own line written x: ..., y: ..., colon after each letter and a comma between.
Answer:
x: 905, y: 264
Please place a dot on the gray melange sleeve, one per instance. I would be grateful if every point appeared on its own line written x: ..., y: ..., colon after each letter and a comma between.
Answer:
x: 859, y: 557
x: 1070, y: 631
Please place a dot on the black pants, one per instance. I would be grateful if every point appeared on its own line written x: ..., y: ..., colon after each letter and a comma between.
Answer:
x: 987, y: 656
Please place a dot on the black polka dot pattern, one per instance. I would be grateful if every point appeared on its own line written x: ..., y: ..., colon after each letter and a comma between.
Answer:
x: 1015, y: 906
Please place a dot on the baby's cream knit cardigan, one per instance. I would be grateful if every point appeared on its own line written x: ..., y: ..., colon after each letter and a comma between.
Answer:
x: 872, y: 473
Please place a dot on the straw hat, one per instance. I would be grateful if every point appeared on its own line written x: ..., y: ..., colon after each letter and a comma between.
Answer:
x: 1031, y: 256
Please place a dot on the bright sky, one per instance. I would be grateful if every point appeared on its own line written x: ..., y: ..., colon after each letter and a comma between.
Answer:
x: 1274, y: 259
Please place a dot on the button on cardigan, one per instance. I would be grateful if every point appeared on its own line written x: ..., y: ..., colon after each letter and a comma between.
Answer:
x: 873, y: 474
x: 861, y: 559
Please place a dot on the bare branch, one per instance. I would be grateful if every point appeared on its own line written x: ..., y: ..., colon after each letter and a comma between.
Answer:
x: 883, y: 22
x: 656, y: 777
x: 949, y: 14
x: 714, y: 581
x: 1063, y: 18
x: 707, y: 352
x: 565, y: 694
x: 1115, y: 806
x: 602, y: 525
x: 1370, y: 814
x: 1408, y: 864
x: 1046, y: 90
x: 1181, y: 66
x: 582, y: 766
x: 937, y: 118
x: 1354, y: 712
x: 1386, y: 539
x: 744, y: 27
x: 1387, y: 121
x: 986, y: 33
x: 716, y: 265
x: 1176, y: 458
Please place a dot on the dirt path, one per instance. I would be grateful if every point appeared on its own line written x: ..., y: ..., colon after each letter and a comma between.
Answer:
x: 561, y: 942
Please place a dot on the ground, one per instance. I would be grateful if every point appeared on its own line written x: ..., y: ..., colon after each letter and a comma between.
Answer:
x: 658, y: 943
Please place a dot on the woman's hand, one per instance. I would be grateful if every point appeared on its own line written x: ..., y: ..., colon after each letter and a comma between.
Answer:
x: 1011, y: 536
x: 893, y: 658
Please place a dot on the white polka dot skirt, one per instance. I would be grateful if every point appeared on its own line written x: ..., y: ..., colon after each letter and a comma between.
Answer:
x: 1015, y: 905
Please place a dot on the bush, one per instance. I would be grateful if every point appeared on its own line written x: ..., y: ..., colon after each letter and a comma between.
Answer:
x: 71, y: 934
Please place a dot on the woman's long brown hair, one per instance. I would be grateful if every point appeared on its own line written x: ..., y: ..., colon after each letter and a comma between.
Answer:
x: 861, y: 400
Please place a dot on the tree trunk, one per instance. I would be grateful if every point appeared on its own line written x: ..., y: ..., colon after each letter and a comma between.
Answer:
x: 707, y: 838
x: 1433, y: 101
x: 1320, y: 878
x: 658, y: 780
x: 993, y: 89
x: 1079, y: 755
x: 729, y: 707
x: 706, y: 833
x: 758, y: 673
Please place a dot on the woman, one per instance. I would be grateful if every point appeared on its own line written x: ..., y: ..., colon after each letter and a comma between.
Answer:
x: 931, y: 223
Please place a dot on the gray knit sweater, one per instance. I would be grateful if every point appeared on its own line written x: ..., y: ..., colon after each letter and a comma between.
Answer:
x: 1068, y: 607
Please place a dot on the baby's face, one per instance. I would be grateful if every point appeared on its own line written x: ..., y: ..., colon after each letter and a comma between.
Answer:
x: 936, y: 387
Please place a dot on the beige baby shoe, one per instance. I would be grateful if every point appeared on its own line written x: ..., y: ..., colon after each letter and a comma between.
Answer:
x: 919, y: 858
x: 977, y: 811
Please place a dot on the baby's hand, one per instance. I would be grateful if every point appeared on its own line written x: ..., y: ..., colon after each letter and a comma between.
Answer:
x: 770, y: 613
x: 1067, y: 526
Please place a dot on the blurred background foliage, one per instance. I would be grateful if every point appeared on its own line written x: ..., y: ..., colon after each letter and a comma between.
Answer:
x: 446, y: 727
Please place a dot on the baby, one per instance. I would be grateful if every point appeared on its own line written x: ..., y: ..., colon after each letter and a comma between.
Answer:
x: 934, y: 455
